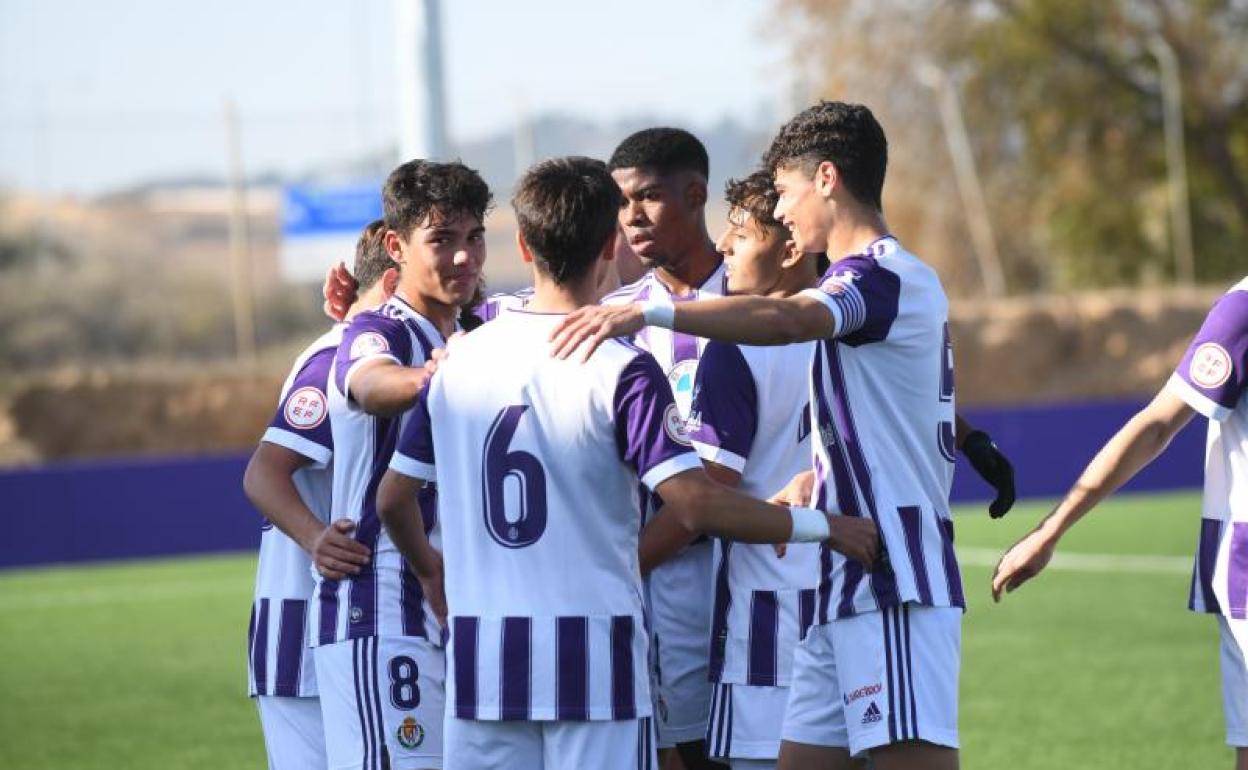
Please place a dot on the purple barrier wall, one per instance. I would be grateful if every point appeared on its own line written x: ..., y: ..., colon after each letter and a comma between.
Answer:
x: 113, y: 510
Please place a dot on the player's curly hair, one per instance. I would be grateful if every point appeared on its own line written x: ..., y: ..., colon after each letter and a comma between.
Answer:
x: 566, y: 209
x: 420, y: 190
x: 756, y: 195
x: 665, y: 150
x: 848, y: 135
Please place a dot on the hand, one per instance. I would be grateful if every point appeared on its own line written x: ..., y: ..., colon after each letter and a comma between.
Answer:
x: 1022, y: 562
x: 994, y: 467
x: 857, y: 538
x: 336, y: 554
x: 591, y: 325
x: 799, y: 491
x: 339, y: 291
x: 432, y: 577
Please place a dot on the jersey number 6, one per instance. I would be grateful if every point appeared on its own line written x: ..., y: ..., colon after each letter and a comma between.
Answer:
x: 501, y: 465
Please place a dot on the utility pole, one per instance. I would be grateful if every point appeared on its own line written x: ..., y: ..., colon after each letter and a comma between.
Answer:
x: 1176, y: 160
x: 240, y: 243
x: 422, y: 96
x: 967, y: 177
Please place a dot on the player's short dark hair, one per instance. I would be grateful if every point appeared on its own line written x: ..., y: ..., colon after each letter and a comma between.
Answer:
x: 665, y: 150
x: 371, y: 258
x: 755, y: 194
x: 566, y: 209
x: 848, y: 135
x: 420, y: 189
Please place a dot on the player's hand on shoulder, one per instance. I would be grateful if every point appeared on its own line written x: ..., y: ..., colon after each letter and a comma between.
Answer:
x: 1022, y: 562
x: 799, y: 490
x: 336, y: 554
x: 994, y: 467
x: 586, y: 328
x: 339, y: 292
x: 857, y: 538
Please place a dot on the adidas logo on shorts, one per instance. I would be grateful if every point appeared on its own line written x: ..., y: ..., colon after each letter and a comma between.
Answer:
x: 872, y: 714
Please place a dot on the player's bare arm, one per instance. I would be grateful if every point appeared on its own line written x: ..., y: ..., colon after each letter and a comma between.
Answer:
x: 399, y: 511
x: 1136, y: 445
x: 705, y: 506
x: 385, y: 388
x: 269, y: 485
x: 664, y: 537
x: 744, y: 320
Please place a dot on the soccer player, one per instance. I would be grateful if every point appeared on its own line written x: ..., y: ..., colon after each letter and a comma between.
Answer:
x: 537, y: 463
x: 1211, y: 380
x: 663, y: 175
x: 878, y: 671
x: 288, y: 480
x: 379, y: 656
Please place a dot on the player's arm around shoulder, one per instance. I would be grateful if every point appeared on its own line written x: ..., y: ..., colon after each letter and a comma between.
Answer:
x: 371, y: 366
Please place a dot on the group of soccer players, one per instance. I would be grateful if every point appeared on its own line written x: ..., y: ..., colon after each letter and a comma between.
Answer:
x: 543, y: 543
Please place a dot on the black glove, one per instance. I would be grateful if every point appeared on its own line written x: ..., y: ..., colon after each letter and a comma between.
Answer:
x: 994, y: 467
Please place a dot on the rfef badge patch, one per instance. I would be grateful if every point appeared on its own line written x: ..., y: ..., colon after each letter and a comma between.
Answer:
x: 305, y: 408
x: 1211, y: 366
x: 410, y: 733
x: 674, y: 426
x: 367, y: 344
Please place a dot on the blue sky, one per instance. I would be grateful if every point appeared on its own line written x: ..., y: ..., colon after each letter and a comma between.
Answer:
x: 100, y: 93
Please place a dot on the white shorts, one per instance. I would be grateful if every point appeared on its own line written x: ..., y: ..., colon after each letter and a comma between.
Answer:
x: 626, y: 744
x: 878, y: 678
x: 1234, y: 680
x: 746, y: 721
x: 680, y: 618
x: 382, y: 701
x: 293, y: 737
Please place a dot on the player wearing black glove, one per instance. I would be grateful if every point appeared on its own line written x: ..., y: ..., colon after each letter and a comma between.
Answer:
x: 988, y: 461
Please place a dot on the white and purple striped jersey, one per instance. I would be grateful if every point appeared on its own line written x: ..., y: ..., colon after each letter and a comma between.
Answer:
x: 750, y: 414
x: 538, y: 462
x: 276, y: 640
x: 1213, y: 379
x: 494, y: 304
x: 385, y: 599
x: 676, y: 352
x: 882, y: 405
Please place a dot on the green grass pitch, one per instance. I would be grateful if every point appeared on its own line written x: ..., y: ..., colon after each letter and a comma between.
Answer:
x: 1096, y: 665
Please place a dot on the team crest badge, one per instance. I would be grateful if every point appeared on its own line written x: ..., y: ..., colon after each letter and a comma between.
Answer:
x: 367, y: 344
x: 1211, y: 366
x: 674, y: 426
x: 410, y: 733
x: 305, y: 409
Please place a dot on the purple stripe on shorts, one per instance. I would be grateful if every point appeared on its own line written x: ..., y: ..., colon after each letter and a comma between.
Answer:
x: 912, y: 525
x: 719, y: 613
x: 361, y: 711
x: 764, y: 626
x: 623, y: 699
x: 572, y: 668
x: 260, y: 649
x: 728, y: 743
x: 1206, y: 558
x: 914, y: 707
x: 516, y: 668
x: 953, y: 574
x: 903, y: 674
x: 805, y: 611
x: 888, y: 673
x: 383, y: 761
x: 291, y: 642
x: 464, y: 651
x: 328, y: 631
x: 1237, y: 572
x: 251, y: 646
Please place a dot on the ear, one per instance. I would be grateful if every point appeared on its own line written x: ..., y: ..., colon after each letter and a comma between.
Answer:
x: 394, y: 246
x: 826, y: 178
x: 695, y: 193
x: 792, y: 255
x: 526, y: 255
x: 608, y: 248
x: 390, y: 281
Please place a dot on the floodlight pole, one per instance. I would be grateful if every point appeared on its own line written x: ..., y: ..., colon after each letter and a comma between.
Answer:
x: 422, y: 96
x: 240, y: 246
x: 969, y: 188
x: 1176, y: 161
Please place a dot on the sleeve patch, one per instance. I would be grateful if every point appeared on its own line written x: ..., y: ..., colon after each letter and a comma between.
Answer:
x: 306, y: 408
x: 674, y: 426
x: 1211, y: 366
x: 368, y: 344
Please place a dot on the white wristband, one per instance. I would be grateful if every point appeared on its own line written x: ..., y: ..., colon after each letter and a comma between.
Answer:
x: 809, y: 525
x: 661, y: 314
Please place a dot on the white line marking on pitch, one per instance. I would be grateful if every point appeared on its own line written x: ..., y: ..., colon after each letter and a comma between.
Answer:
x: 1090, y: 562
